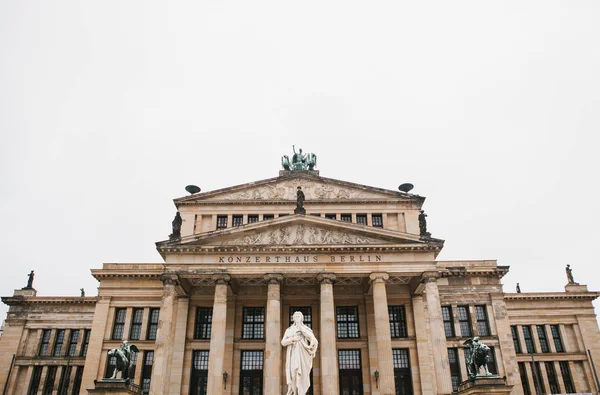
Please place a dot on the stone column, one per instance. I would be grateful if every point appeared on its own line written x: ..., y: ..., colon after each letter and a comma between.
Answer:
x: 438, y: 336
x: 272, y: 371
x: 327, y: 342
x: 382, y: 333
x: 216, y: 356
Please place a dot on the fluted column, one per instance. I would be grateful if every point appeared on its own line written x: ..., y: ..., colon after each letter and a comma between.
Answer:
x: 327, y: 342
x: 382, y: 333
x: 272, y: 371
x: 216, y: 355
x: 438, y: 335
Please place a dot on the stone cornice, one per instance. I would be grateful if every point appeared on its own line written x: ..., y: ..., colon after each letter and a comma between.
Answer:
x: 343, y: 249
x: 551, y: 296
x: 290, y: 203
x: 128, y: 271
x: 497, y: 272
x: 21, y: 300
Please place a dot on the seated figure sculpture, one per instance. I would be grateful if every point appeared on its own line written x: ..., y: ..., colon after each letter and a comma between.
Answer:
x: 301, y: 346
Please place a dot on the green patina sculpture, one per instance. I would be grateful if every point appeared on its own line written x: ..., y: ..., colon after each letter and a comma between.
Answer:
x: 299, y: 161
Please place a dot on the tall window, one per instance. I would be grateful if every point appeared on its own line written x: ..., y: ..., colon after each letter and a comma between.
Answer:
x: 45, y: 343
x: 566, y: 374
x: 111, y: 365
x: 306, y: 312
x: 73, y: 338
x: 454, y: 368
x: 35, y: 380
x: 77, y: 381
x: 136, y: 324
x: 515, y: 335
x: 58, y: 342
x: 554, y: 329
x: 350, y: 373
x: 252, y: 218
x: 537, y: 376
x: 397, y: 321
x: 377, y: 220
x: 199, y: 379
x: 65, y: 379
x: 221, y: 221
x: 153, y: 324
x: 119, y: 324
x: 528, y: 339
x: 251, y: 380
x: 402, y: 376
x: 346, y: 217
x: 134, y: 358
x: 552, y: 379
x: 448, y: 321
x: 361, y: 219
x: 347, y: 322
x: 253, y: 326
x: 237, y: 220
x: 482, y: 321
x: 464, y: 320
x: 50, y: 378
x: 147, y: 371
x: 542, y: 337
x: 203, y: 323
x: 524, y: 379
x: 492, y: 366
x: 86, y: 342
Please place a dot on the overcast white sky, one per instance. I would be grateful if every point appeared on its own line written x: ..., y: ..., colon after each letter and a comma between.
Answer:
x: 108, y: 109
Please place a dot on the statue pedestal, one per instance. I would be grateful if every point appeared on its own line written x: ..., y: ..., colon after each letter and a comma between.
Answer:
x: 485, y: 385
x: 115, y: 387
x: 298, y: 210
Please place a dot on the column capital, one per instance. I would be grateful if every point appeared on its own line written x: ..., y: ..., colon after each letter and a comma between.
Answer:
x: 326, y: 278
x: 430, y: 277
x: 170, y: 279
x: 379, y: 277
x: 273, y: 278
x: 221, y: 278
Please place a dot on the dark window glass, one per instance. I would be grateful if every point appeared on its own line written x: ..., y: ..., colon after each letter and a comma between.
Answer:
x: 306, y: 312
x: 454, y: 368
x: 515, y: 335
x: 147, y: 371
x: 221, y: 221
x: 65, y: 379
x: 111, y: 365
x: 554, y: 329
x: 482, y: 321
x: 346, y: 217
x: 237, y: 220
x: 377, y: 220
x: 448, y: 321
x: 45, y: 343
x: 119, y: 324
x: 268, y: 216
x: 361, y: 219
x: 566, y: 374
x: 315, y: 214
x: 136, y: 324
x: 402, y: 376
x: 524, y: 379
x: 464, y: 320
x: 134, y: 358
x: 252, y: 219
x: 552, y: 379
x: 283, y: 215
x: 251, y: 373
x: 35, y: 380
x: 492, y: 367
x: 153, y: 324
x: 86, y: 342
x: 199, y: 381
x: 74, y: 337
x: 542, y: 337
x: 350, y: 372
x: 397, y: 321
x: 50, y: 378
x: 330, y: 216
x: 347, y: 322
x: 349, y: 359
x: 203, y: 323
x: 58, y: 342
x: 537, y: 376
x: 77, y: 381
x: 253, y: 326
x: 528, y: 339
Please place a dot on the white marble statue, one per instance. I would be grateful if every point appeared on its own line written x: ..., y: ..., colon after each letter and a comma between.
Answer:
x: 301, y: 346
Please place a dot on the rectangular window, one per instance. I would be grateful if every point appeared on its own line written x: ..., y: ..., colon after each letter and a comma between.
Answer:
x: 203, y: 323
x: 454, y: 368
x: 50, y: 378
x: 552, y: 379
x: 464, y: 320
x: 251, y: 375
x: 554, y: 329
x: 541, y: 331
x: 221, y: 221
x: 74, y: 337
x: 199, y: 379
x: 119, y: 324
x: 402, y: 376
x: 136, y: 324
x: 528, y: 339
x: 306, y: 312
x: 237, y: 220
x: 537, y: 376
x: 65, y: 379
x: 330, y: 216
x: 524, y: 379
x: 347, y: 322
x: 515, y: 335
x: 111, y: 365
x: 147, y: 371
x: 134, y: 358
x: 252, y: 219
x: 377, y: 220
x: 397, y: 321
x: 566, y: 374
x: 45, y: 343
x: 153, y: 324
x: 86, y: 342
x: 268, y: 216
x: 482, y: 321
x: 77, y: 381
x: 59, y: 339
x: 350, y: 372
x: 492, y: 367
x: 253, y: 325
x: 361, y: 219
x: 346, y: 217
x: 448, y: 321
x: 35, y: 380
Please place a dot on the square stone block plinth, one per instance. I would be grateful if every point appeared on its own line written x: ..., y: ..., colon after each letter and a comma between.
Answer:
x: 485, y: 385
x: 115, y: 387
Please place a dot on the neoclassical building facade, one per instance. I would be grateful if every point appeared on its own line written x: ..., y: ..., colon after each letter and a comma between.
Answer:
x: 389, y: 317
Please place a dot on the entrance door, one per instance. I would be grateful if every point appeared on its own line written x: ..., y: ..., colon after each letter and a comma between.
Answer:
x: 251, y: 377
x: 199, y: 382
x: 402, y: 376
x: 350, y: 372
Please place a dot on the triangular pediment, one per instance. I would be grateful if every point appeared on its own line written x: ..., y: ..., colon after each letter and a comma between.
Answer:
x: 284, y: 188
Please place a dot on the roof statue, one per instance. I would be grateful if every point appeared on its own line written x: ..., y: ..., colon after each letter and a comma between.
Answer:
x: 569, y: 275
x: 423, y: 225
x: 300, y: 202
x: 299, y: 161
x: 176, y: 224
x: 31, y: 275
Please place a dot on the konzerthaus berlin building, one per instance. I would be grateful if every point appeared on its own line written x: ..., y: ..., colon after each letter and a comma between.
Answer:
x: 390, y: 318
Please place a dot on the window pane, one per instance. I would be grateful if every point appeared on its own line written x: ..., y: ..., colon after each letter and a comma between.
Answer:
x: 119, y: 324
x: 252, y: 360
x: 448, y: 321
x: 566, y: 374
x: 347, y: 322
x: 482, y: 321
x: 153, y: 324
x: 554, y: 329
x: 349, y: 359
x: 221, y: 221
x: 464, y: 321
x: 252, y: 219
x: 377, y: 220
x: 397, y: 321
x: 203, y: 324
x: 237, y: 220
x: 253, y: 323
x: 346, y: 217
x: 524, y: 379
x: 515, y: 336
x: 361, y: 219
x: 528, y: 339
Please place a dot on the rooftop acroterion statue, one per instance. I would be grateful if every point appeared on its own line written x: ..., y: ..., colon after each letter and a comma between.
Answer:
x: 299, y: 161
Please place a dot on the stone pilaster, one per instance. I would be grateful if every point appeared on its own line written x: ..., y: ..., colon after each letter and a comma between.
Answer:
x: 272, y: 364
x: 507, y: 347
x: 438, y: 336
x: 13, y: 330
x: 179, y: 345
x: 327, y: 342
x: 91, y: 370
x: 216, y: 356
x: 382, y: 333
